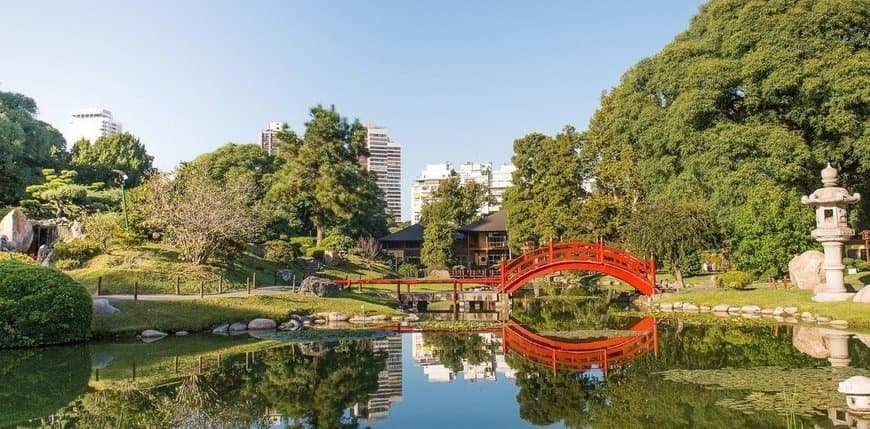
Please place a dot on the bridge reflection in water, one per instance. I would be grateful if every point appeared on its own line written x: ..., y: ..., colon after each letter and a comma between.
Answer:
x: 562, y: 354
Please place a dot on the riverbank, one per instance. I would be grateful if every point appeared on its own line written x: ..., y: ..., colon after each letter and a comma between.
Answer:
x: 204, y: 314
x: 856, y: 314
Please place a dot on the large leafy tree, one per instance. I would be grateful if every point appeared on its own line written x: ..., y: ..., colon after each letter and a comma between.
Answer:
x: 232, y: 161
x: 321, y: 181
x: 751, y: 101
x: 27, y: 145
x: 546, y: 199
x: 122, y: 151
x: 453, y: 204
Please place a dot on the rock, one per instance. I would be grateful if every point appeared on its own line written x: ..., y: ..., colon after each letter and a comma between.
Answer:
x: 750, y: 315
x: 864, y: 338
x: 734, y: 309
x: 102, y: 307
x: 181, y: 333
x: 721, y: 313
x: 238, y: 327
x: 261, y: 324
x: 810, y: 341
x: 778, y: 311
x: 412, y: 318
x: 779, y: 318
x: 337, y: 316
x: 767, y: 311
x: 378, y: 318
x: 666, y: 306
x: 750, y: 309
x: 151, y: 333
x: 76, y: 230
x: 222, y: 329
x: 720, y: 308
x: 863, y: 295
x: 690, y: 308
x: 790, y: 310
x: 290, y: 325
x: 18, y: 232
x: 678, y: 305
x: 823, y: 319
x: 857, y: 390
x: 396, y: 318
x: 806, y: 315
x: 306, y: 323
x: 704, y: 309
x: 791, y: 320
x: 439, y: 274
x: 805, y: 270
x: 320, y: 322
x: 357, y: 319
x: 839, y: 323
x: 319, y: 286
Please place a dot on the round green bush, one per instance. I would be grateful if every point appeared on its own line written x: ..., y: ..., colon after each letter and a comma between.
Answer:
x: 281, y: 251
x: 78, y: 250
x: 734, y: 280
x: 41, y: 306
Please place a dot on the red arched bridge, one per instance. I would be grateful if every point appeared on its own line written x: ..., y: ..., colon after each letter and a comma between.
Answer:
x: 638, y: 272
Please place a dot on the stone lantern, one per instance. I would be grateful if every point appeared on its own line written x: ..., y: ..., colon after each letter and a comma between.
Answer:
x: 832, y: 230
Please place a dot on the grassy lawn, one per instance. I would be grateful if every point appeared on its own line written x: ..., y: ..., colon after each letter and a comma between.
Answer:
x: 356, y: 268
x: 156, y: 267
x: 205, y: 314
x: 858, y: 314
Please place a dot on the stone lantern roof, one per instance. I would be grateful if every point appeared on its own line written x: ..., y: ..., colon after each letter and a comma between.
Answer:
x: 830, y: 193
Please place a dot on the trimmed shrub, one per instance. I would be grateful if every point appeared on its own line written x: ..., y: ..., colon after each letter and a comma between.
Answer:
x: 337, y: 242
x: 77, y: 250
x: 41, y: 306
x: 734, y: 280
x: 862, y: 265
x: 304, y: 243
x: 20, y: 257
x: 407, y: 270
x: 281, y: 251
x: 315, y: 252
x: 66, y: 264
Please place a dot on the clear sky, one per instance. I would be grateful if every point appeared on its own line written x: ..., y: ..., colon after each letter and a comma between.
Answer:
x: 452, y: 80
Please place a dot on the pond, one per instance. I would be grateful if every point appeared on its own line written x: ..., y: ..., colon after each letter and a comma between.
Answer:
x: 542, y: 369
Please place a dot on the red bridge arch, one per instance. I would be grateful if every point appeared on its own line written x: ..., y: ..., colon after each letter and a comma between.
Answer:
x: 579, y: 256
x: 583, y: 354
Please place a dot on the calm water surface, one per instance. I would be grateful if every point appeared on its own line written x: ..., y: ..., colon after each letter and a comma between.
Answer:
x: 552, y: 372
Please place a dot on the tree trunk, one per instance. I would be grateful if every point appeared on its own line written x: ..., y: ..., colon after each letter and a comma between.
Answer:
x: 319, y: 234
x: 678, y: 276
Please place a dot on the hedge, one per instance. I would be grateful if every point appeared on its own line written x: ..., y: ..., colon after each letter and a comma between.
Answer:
x: 41, y: 306
x: 734, y: 280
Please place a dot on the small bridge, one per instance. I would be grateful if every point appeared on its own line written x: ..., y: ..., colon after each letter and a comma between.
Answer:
x: 573, y: 256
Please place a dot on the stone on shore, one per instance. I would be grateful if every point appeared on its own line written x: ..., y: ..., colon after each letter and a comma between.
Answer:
x: 790, y: 310
x: 810, y: 341
x: 690, y: 308
x: 337, y: 316
x: 152, y: 333
x: 805, y: 270
x: 319, y: 286
x: 182, y: 333
x: 750, y: 309
x: 666, y: 306
x: 778, y: 311
x: 261, y: 324
x: 238, y: 327
x: 222, y: 329
x: 704, y: 309
x: 721, y: 308
x: 863, y: 295
x: 102, y: 307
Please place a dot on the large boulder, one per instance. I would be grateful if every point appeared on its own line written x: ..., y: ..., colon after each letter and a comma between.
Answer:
x: 810, y: 341
x: 805, y: 270
x: 102, y: 307
x: 319, y: 286
x: 18, y: 231
x: 863, y: 295
x: 261, y: 324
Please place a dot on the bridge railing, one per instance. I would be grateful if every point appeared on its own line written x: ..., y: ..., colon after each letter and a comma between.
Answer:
x: 598, y: 253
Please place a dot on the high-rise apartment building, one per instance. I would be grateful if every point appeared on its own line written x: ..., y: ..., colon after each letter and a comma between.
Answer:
x: 385, y: 160
x: 91, y: 124
x: 269, y: 138
x: 432, y: 176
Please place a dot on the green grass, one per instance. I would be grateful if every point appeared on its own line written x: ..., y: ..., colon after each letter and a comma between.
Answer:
x: 858, y: 314
x: 356, y: 268
x: 157, y: 266
x: 205, y: 314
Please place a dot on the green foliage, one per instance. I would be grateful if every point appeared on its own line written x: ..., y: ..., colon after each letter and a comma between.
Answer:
x: 57, y: 196
x: 27, y: 145
x: 120, y: 151
x: 18, y: 257
x: 282, y: 251
x: 76, y: 250
x: 734, y: 280
x: 303, y: 243
x: 547, y: 197
x: 321, y: 183
x: 407, y: 270
x: 453, y: 205
x: 232, y: 161
x: 41, y: 306
x: 453, y: 349
x: 66, y: 264
x: 315, y: 252
x: 337, y: 241
x: 742, y: 110
x: 103, y: 228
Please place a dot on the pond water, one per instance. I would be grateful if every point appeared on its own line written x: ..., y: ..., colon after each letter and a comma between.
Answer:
x: 541, y: 370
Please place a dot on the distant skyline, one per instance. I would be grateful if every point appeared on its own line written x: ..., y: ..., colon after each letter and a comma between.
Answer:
x: 453, y: 81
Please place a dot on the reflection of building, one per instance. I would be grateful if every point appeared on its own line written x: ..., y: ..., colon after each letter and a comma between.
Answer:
x: 389, y: 382
x: 426, y: 356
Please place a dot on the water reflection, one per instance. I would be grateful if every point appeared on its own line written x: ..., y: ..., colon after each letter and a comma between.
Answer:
x: 604, y: 373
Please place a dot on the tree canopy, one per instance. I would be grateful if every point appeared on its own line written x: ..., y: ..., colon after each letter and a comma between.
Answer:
x: 741, y: 111
x: 122, y: 151
x: 453, y: 205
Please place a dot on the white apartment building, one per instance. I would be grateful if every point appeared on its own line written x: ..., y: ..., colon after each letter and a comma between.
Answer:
x: 269, y: 137
x: 385, y: 160
x: 91, y: 124
x: 432, y: 176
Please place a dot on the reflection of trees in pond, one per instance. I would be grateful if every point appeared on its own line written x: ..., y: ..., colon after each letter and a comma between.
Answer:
x: 451, y: 349
x: 555, y: 314
x: 315, y: 390
x: 37, y: 382
x: 312, y: 388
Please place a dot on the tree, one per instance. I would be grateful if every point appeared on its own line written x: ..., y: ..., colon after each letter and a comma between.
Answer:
x: 753, y: 92
x: 232, y: 161
x: 199, y: 216
x: 548, y: 192
x: 369, y: 249
x: 322, y: 182
x: 121, y: 151
x: 59, y: 192
x: 103, y: 227
x: 673, y: 232
x: 27, y: 146
x: 453, y: 205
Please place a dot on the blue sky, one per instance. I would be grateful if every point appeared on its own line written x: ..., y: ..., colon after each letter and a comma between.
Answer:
x: 452, y: 80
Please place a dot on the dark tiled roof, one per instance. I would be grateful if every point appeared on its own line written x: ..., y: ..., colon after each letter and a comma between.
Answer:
x: 494, y: 222
x: 409, y: 234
